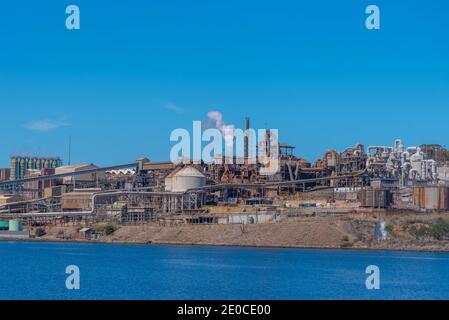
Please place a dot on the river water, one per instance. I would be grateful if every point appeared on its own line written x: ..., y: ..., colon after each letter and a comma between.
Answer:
x: 36, y: 270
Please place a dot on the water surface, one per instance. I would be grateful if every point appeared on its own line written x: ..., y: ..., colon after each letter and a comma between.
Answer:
x: 36, y: 270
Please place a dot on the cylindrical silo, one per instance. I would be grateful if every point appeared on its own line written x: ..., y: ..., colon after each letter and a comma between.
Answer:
x: 431, y: 198
x: 22, y: 168
x: 13, y: 173
x: 29, y: 162
x: 188, y: 178
x: 15, y: 225
x: 4, y: 225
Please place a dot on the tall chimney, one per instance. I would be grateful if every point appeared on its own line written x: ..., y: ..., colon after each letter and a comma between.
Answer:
x: 247, y: 127
x: 268, y: 142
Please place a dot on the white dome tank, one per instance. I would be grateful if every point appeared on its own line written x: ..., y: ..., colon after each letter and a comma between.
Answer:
x: 188, y: 178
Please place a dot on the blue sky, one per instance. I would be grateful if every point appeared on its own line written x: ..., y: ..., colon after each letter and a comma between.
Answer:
x: 139, y: 69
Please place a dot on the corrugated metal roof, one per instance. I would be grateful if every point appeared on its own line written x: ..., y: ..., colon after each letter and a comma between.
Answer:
x: 76, y: 166
x: 189, y: 172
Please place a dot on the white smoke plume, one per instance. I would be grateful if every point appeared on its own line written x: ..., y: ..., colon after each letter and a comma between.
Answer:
x: 227, y: 130
x: 217, y: 117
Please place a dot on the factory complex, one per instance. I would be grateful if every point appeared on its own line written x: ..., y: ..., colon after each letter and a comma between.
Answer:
x: 37, y: 193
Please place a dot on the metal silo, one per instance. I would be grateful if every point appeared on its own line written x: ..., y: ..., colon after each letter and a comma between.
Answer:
x: 375, y: 198
x: 29, y: 164
x: 15, y: 225
x: 188, y: 178
x: 431, y: 198
x: 4, y: 225
x: 22, y: 168
x: 13, y: 173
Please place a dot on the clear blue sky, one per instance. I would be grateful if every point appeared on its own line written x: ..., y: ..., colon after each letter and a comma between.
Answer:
x: 139, y: 69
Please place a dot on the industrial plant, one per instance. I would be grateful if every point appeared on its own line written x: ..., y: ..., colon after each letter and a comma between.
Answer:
x: 41, y: 192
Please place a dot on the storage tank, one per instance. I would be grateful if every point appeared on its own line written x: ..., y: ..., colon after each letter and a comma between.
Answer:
x: 15, y: 225
x: 431, y: 198
x: 188, y: 178
x: 4, y: 225
x: 29, y: 164
x: 13, y: 172
x: 22, y: 168
x: 375, y: 198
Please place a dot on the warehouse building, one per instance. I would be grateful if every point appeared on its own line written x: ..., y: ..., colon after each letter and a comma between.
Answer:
x: 88, y: 178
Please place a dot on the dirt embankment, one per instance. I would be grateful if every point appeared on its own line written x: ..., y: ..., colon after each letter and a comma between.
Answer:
x: 354, y: 231
x: 313, y: 233
x: 286, y: 234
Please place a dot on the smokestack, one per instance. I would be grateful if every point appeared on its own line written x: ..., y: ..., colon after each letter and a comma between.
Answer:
x: 268, y: 142
x: 247, y: 127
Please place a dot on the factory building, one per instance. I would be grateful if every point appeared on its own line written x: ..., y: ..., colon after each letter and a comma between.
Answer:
x: 20, y: 165
x: 5, y: 174
x: 9, y: 198
x: 78, y: 200
x: 356, y: 179
x: 87, y: 178
x: 35, y: 189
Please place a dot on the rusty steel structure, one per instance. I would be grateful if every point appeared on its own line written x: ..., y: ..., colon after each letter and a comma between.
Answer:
x: 146, y: 190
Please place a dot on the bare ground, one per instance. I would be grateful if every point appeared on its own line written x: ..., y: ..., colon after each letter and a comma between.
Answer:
x: 353, y: 231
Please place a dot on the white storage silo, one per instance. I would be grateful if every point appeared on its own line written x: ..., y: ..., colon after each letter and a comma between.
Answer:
x: 187, y: 178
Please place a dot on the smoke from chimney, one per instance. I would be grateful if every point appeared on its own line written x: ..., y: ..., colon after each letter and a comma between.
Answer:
x: 226, y: 129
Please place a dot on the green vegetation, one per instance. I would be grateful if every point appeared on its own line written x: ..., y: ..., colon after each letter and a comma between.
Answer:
x: 420, y: 231
x: 439, y: 230
x: 110, y: 229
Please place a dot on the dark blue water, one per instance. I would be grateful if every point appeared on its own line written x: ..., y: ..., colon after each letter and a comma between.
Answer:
x: 37, y: 271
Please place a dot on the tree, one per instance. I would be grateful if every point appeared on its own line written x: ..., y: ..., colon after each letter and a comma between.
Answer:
x: 440, y: 229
